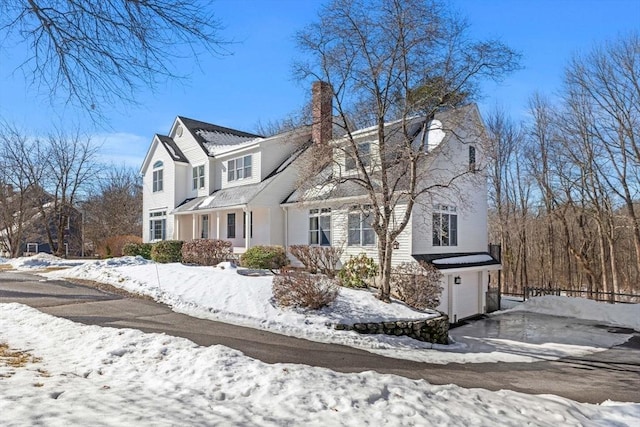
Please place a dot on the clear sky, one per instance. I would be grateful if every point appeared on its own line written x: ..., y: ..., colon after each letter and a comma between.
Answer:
x: 254, y: 84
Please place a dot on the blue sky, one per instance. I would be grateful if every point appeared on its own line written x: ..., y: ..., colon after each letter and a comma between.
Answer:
x: 254, y: 84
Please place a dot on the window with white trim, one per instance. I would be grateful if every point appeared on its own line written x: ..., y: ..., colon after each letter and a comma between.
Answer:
x: 157, y: 176
x: 445, y: 225
x: 158, y: 225
x: 197, y: 174
x: 204, y: 232
x: 364, y: 152
x: 32, y: 248
x: 239, y: 168
x: 320, y: 227
x: 231, y: 226
x: 361, y: 231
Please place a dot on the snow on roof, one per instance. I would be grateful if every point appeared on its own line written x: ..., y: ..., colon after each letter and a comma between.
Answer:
x: 467, y: 259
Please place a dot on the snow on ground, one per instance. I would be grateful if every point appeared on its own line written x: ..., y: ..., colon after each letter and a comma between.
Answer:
x: 40, y: 261
x: 90, y: 375
x: 223, y: 294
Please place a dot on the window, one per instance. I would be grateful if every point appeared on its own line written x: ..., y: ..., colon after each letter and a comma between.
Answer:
x: 204, y: 233
x: 320, y: 227
x: 32, y: 248
x: 239, y: 168
x: 157, y: 225
x: 364, y: 152
x: 472, y: 158
x: 198, y: 177
x: 360, y: 229
x: 445, y: 226
x: 244, y: 225
x: 157, y: 176
x: 231, y: 226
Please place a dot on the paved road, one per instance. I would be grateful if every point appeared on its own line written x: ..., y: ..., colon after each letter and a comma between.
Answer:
x: 613, y: 374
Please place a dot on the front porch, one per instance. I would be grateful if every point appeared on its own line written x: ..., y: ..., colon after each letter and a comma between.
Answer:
x: 243, y: 226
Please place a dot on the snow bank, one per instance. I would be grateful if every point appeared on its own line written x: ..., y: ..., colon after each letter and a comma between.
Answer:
x: 125, y: 377
x: 41, y: 261
x: 626, y: 315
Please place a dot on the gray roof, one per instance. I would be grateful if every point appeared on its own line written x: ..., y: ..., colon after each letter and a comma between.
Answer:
x: 236, y: 196
x: 172, y: 148
x: 206, y: 134
x: 315, y: 190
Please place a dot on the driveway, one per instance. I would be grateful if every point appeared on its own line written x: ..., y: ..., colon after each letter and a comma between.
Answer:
x: 613, y: 374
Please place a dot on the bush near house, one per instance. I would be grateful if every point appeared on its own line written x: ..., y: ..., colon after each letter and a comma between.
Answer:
x: 207, y: 251
x: 357, y: 270
x: 167, y: 251
x: 114, y: 245
x: 417, y: 284
x: 265, y: 257
x: 137, y: 249
x: 318, y: 259
x: 294, y: 288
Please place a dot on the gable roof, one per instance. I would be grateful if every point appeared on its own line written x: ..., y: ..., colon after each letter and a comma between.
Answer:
x: 448, y: 123
x: 172, y: 148
x: 210, y: 136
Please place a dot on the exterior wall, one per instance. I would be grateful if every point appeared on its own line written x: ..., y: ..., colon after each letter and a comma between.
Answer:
x: 160, y: 201
x: 298, y: 234
x: 467, y: 298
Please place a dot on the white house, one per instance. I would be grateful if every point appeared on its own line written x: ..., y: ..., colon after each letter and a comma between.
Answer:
x: 207, y: 181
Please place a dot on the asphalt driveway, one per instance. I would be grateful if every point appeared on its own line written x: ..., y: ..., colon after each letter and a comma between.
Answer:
x: 612, y: 374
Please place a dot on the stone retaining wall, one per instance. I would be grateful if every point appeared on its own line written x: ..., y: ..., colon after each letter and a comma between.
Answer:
x: 434, y: 330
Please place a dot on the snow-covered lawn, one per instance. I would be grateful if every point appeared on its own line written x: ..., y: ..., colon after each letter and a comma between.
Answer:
x: 226, y: 295
x: 77, y: 375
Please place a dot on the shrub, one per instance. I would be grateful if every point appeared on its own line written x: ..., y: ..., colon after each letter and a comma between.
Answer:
x: 265, y: 257
x: 318, y: 259
x: 207, y: 251
x: 417, y: 284
x: 167, y: 251
x: 137, y: 249
x: 296, y: 288
x: 355, y: 271
x: 114, y: 245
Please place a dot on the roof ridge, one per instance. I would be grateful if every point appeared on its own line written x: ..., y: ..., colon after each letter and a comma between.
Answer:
x: 216, y: 128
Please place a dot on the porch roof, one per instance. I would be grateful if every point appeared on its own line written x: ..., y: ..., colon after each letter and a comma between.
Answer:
x: 225, y: 198
x: 445, y: 261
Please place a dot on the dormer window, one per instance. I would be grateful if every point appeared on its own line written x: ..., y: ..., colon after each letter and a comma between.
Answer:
x: 364, y: 152
x: 158, y: 176
x: 239, y: 168
x: 198, y: 177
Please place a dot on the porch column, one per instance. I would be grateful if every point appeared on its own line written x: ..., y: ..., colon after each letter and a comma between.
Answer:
x: 218, y: 225
x: 247, y: 227
x: 176, y: 224
x: 194, y: 229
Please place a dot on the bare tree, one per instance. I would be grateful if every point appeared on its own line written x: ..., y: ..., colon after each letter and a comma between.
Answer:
x: 114, y: 206
x: 389, y: 60
x: 93, y: 53
x: 17, y: 166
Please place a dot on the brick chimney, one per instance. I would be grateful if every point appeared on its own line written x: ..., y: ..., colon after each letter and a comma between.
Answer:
x: 321, y: 112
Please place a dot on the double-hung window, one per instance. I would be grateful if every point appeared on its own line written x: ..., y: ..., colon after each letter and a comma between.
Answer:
x: 231, y: 226
x: 364, y: 152
x: 205, y: 227
x: 472, y: 158
x: 157, y: 176
x: 445, y: 226
x: 361, y: 231
x: 320, y: 227
x: 198, y: 177
x: 157, y: 225
x: 239, y: 168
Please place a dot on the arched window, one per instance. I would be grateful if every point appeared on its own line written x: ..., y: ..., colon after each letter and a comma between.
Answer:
x: 157, y: 176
